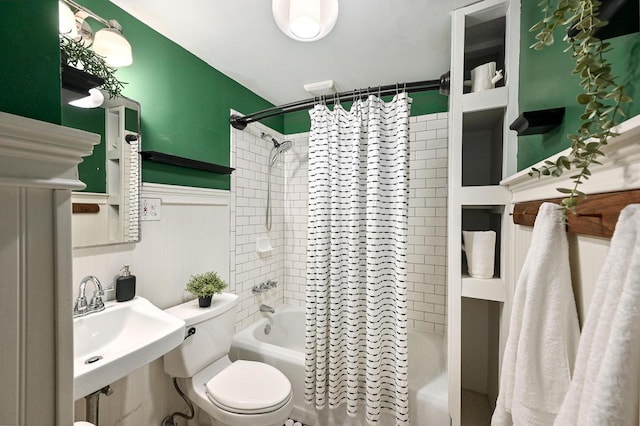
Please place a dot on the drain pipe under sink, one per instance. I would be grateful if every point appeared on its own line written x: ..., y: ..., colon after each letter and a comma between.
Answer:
x: 92, y: 404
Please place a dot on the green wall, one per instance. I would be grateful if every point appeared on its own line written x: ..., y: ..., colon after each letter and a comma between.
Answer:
x: 185, y: 102
x: 30, y: 62
x: 92, y: 169
x: 423, y: 103
x: 546, y: 82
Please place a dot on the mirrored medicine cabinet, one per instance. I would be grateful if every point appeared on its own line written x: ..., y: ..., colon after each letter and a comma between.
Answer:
x: 107, y: 211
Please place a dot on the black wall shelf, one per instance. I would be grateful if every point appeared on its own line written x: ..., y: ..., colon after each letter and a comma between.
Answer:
x: 537, y: 122
x: 77, y: 83
x: 174, y: 160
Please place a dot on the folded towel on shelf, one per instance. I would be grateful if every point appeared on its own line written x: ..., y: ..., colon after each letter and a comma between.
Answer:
x: 544, y: 331
x: 604, y: 389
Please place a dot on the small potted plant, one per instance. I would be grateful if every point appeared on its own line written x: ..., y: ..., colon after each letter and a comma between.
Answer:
x: 204, y: 286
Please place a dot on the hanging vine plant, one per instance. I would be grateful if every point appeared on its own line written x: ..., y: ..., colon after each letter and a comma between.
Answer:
x: 601, y: 95
x: 78, y: 56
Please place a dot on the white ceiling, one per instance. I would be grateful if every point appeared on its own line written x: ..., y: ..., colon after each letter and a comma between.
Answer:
x: 374, y: 42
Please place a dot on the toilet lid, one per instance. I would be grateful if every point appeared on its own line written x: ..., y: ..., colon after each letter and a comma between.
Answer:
x: 249, y: 387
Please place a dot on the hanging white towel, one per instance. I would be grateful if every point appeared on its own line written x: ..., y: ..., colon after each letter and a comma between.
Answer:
x: 544, y: 331
x: 604, y: 390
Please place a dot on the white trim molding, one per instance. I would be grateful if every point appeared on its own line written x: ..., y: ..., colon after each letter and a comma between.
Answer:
x: 39, y: 154
x: 185, y: 195
x: 38, y: 169
x: 620, y: 169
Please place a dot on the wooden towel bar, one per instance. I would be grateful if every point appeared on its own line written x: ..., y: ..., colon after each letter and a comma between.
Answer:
x: 596, y: 215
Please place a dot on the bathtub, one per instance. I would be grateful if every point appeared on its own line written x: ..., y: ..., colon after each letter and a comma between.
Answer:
x: 283, y: 348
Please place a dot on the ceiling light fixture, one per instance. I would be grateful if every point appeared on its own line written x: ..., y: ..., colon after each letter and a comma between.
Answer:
x: 108, y: 42
x: 305, y: 20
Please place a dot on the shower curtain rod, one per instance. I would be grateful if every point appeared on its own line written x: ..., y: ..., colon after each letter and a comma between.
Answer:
x: 240, y: 122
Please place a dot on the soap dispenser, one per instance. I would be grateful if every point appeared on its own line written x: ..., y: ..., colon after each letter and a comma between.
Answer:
x: 125, y: 285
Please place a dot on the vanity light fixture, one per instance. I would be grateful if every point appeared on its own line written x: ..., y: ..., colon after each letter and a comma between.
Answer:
x: 305, y: 20
x: 67, y: 21
x: 94, y: 100
x: 108, y: 41
x: 111, y: 44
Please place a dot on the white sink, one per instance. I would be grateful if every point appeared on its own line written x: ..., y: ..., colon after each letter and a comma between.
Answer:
x: 123, y: 337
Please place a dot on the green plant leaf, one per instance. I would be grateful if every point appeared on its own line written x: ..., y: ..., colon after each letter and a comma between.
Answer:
x: 583, y: 99
x: 537, y: 26
x: 564, y: 190
x: 601, y: 97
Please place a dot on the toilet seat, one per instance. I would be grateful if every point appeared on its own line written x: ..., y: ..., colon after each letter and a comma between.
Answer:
x: 248, y: 387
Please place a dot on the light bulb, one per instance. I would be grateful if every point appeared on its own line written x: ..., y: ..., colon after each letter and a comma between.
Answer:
x: 94, y: 100
x: 304, y: 18
x: 113, y: 47
x: 66, y: 21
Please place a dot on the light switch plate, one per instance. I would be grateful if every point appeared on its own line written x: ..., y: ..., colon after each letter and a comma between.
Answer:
x: 151, y: 208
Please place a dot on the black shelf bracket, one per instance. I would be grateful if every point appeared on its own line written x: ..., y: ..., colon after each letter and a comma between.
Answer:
x: 77, y: 83
x: 537, y: 122
x: 174, y: 160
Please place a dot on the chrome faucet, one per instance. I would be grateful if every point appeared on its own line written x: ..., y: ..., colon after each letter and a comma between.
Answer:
x: 264, y: 286
x: 267, y: 308
x: 81, y: 307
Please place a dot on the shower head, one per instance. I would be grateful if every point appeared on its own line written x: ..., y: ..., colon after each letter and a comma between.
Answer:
x: 283, y: 147
x: 269, y: 138
x: 278, y: 149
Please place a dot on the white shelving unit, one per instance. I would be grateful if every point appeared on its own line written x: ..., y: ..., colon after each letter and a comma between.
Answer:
x: 482, y: 151
x: 483, y: 289
x: 123, y: 177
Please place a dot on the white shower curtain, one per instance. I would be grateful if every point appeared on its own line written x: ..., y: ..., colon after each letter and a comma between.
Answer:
x: 356, y: 301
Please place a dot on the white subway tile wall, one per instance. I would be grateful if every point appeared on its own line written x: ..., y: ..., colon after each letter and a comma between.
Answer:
x: 287, y: 263
x: 296, y: 212
x: 427, y: 251
x: 247, y: 267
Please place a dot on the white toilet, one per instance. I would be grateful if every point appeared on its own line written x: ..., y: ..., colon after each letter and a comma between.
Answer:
x: 240, y: 393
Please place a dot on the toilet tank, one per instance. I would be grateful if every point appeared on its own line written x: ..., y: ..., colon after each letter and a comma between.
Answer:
x: 212, y: 338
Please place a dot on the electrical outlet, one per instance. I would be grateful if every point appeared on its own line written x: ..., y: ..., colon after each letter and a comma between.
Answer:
x: 151, y: 209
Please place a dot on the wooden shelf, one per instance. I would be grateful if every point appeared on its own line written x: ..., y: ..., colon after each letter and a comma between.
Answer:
x: 485, y: 289
x: 487, y: 99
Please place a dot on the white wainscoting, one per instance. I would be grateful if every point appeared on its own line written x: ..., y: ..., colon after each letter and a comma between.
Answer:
x: 192, y: 236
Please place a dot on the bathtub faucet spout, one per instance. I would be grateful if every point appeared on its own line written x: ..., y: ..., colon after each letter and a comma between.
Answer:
x: 267, y: 308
